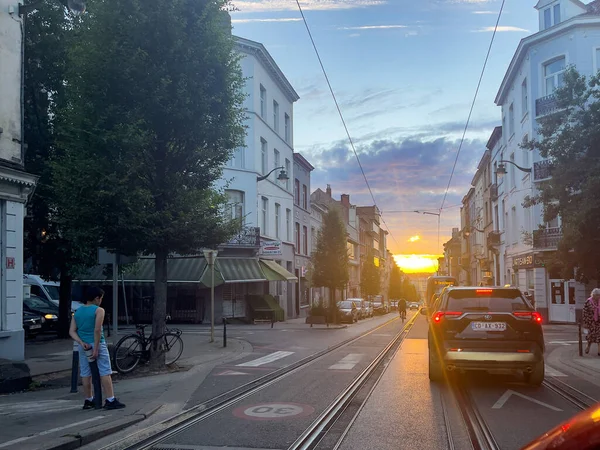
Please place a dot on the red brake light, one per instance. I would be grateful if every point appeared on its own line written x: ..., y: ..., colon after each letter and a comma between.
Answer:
x: 533, y: 315
x: 484, y: 291
x: 537, y: 317
x: 437, y: 317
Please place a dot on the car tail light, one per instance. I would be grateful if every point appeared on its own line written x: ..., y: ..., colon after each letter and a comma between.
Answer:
x: 533, y: 315
x: 484, y: 291
x: 523, y: 351
x: 437, y: 317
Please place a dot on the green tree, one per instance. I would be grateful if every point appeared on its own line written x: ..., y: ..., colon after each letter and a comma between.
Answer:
x: 370, y: 276
x: 330, y: 261
x: 409, y: 291
x: 153, y: 113
x: 395, y: 290
x: 569, y: 138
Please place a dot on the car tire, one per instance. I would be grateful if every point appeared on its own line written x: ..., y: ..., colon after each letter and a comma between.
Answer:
x: 536, y: 378
x: 436, y: 371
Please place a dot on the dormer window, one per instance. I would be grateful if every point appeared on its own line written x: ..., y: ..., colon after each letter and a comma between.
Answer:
x: 552, y: 16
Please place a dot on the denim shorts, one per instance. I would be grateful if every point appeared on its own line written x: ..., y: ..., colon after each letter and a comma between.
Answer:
x: 103, y: 361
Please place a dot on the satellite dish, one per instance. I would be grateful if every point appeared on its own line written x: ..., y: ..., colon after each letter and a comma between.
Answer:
x: 77, y: 7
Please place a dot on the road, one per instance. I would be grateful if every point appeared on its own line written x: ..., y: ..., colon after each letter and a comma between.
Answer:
x: 396, y: 408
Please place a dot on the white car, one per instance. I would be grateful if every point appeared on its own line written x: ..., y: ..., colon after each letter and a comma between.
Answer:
x: 49, y: 290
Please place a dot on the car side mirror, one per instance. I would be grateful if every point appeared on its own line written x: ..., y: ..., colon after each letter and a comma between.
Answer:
x: 424, y: 311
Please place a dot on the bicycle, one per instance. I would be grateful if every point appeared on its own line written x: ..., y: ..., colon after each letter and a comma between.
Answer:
x: 403, y: 315
x: 135, y: 347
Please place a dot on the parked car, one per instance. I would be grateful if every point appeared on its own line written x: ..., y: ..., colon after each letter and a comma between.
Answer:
x: 32, y: 324
x: 393, y: 305
x: 44, y: 308
x: 379, y: 308
x: 483, y: 329
x: 362, y: 307
x: 370, y: 308
x: 348, y: 311
x: 49, y: 290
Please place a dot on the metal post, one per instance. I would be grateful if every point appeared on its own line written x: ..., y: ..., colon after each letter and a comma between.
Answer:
x: 272, y: 317
x: 124, y: 298
x: 97, y: 385
x: 115, y: 293
x: 580, y: 340
x: 224, y: 332
x: 212, y: 300
x: 75, y: 368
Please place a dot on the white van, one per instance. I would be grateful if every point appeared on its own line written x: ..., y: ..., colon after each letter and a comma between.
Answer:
x: 49, y: 290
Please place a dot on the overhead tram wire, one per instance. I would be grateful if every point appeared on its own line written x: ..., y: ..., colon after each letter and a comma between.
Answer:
x: 337, y: 105
x: 473, y: 104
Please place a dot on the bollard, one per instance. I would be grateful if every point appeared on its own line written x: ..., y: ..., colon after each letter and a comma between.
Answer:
x: 75, y: 368
x: 580, y: 340
x: 96, y: 384
x: 224, y: 332
x: 272, y: 318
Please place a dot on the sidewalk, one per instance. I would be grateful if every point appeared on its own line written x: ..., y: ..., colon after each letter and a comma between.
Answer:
x: 53, y: 418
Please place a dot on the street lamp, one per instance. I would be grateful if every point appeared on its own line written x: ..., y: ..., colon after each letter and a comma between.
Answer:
x: 283, y: 176
x: 439, y: 216
x: 468, y: 230
x: 501, y: 170
x: 211, y: 257
x: 77, y: 7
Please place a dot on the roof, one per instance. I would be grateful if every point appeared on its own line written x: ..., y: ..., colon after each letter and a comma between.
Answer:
x: 594, y: 7
x: 494, y: 138
x: 303, y: 161
x: 260, y: 52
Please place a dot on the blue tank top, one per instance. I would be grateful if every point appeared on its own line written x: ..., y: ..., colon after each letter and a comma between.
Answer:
x: 85, y: 319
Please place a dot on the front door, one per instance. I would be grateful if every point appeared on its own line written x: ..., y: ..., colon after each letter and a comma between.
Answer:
x: 562, y: 301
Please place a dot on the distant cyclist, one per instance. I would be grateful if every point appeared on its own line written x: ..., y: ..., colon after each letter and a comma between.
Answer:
x: 402, y: 308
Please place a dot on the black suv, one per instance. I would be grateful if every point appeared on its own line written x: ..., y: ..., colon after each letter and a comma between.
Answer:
x: 485, y: 328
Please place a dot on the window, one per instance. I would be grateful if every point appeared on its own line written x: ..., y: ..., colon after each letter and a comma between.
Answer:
x: 235, y: 201
x: 511, y: 120
x: 305, y: 240
x: 304, y: 197
x: 289, y: 174
x: 556, y: 11
x: 514, y: 226
x: 547, y: 18
x: 554, y: 74
x: 264, y: 158
x: 527, y: 218
x: 313, y: 238
x: 276, y: 162
x: 276, y: 116
x: 264, y: 216
x: 297, y: 192
x: 287, y: 128
x: 237, y: 160
x: 597, y: 60
x: 277, y: 219
x: 297, y: 233
x: 529, y: 280
x: 524, y: 97
x: 504, y: 134
x: 513, y: 181
x: 263, y: 102
x: 526, y: 162
x: 288, y: 225
x: 350, y: 248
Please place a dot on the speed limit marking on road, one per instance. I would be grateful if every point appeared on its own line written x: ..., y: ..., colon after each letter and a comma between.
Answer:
x: 273, y: 411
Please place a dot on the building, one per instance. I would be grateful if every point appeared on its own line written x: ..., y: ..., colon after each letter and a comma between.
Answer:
x: 15, y: 184
x: 569, y: 34
x: 494, y: 235
x: 373, y: 240
x: 452, y: 255
x: 302, y: 232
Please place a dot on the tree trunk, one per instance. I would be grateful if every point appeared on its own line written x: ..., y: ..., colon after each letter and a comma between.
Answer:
x: 159, y: 310
x: 64, y: 304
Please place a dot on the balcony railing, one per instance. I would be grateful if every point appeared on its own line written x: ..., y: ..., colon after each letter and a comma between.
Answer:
x: 547, y: 239
x: 546, y: 105
x: 493, y: 239
x: 494, y: 192
x: 248, y: 237
x: 542, y: 170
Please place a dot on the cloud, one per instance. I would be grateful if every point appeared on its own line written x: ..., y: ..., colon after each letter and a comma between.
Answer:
x: 283, y: 19
x: 354, y: 35
x: 501, y: 29
x: 485, y: 12
x: 289, y: 5
x: 414, y: 238
x: 373, y: 27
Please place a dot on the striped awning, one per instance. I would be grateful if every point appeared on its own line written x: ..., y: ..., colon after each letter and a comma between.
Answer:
x: 275, y: 272
x: 235, y: 270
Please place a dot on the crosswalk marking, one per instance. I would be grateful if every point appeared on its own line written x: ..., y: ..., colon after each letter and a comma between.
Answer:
x: 552, y: 372
x: 348, y: 362
x: 43, y: 406
x: 265, y: 359
x: 562, y: 342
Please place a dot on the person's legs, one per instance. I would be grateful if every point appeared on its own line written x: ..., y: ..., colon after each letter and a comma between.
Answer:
x: 86, y: 379
x: 105, y: 370
x: 87, y: 387
x: 107, y: 386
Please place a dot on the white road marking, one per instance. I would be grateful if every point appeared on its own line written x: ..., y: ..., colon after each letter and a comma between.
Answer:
x: 552, y: 372
x: 562, y: 342
x: 52, y: 430
x: 265, y: 359
x: 502, y: 400
x: 348, y: 362
x: 232, y: 372
x: 38, y: 407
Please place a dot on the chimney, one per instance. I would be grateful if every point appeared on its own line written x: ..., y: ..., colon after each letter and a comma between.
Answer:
x: 346, y: 200
x: 329, y: 190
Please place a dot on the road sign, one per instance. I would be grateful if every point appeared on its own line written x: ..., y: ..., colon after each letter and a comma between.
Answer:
x: 509, y: 393
x: 273, y: 411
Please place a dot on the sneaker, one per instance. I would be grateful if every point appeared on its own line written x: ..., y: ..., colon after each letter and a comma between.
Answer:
x: 88, y: 404
x: 115, y: 404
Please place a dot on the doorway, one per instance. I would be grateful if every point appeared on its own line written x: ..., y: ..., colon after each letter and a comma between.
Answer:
x: 562, y: 301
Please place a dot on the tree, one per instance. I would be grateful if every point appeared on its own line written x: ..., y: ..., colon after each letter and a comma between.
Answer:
x: 370, y: 276
x: 330, y: 261
x: 569, y: 138
x: 409, y: 291
x: 395, y: 290
x: 153, y: 113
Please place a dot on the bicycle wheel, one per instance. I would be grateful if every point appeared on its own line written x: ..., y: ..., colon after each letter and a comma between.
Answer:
x: 173, y: 348
x: 128, y: 353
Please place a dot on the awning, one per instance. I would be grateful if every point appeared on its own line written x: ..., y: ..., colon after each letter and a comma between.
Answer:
x: 179, y: 270
x: 275, y: 272
x: 234, y: 270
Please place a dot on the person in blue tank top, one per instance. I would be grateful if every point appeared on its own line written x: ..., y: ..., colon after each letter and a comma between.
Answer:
x: 86, y: 330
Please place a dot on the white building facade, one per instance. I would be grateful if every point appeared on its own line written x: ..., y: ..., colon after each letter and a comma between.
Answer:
x: 15, y: 185
x: 569, y: 35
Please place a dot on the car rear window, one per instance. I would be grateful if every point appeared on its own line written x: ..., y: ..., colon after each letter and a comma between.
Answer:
x: 497, y: 300
x: 346, y: 304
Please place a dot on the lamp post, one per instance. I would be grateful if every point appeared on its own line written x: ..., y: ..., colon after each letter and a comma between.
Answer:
x: 211, y: 257
x: 283, y: 176
x: 501, y: 170
x: 439, y: 216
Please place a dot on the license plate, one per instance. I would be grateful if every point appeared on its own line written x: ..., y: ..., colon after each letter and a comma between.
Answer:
x: 488, y: 326
x: 35, y: 327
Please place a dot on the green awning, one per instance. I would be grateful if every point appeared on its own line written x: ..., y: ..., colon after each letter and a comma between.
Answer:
x: 234, y: 270
x: 179, y: 270
x: 275, y: 272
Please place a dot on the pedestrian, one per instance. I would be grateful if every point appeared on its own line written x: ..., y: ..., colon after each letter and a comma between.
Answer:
x: 591, y: 320
x: 86, y: 330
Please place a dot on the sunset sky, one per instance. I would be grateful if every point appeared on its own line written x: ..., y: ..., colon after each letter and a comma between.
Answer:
x: 405, y: 73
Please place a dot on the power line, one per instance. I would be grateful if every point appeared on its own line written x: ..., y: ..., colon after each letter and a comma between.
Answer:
x: 473, y: 104
x: 342, y: 116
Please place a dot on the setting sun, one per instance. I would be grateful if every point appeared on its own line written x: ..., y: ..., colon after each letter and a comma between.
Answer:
x: 414, y: 238
x: 417, y: 263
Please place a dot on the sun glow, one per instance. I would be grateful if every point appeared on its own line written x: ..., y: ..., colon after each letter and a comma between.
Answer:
x: 415, y: 238
x: 417, y: 263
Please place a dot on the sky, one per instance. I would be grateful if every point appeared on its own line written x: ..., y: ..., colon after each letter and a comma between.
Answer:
x: 404, y: 73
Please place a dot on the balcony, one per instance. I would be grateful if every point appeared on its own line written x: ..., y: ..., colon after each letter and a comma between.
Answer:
x: 494, y: 192
x: 493, y: 239
x: 248, y: 237
x: 547, y: 239
x: 546, y: 105
x: 542, y: 170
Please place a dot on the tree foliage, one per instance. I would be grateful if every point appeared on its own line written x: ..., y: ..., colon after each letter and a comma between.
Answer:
x: 370, y: 276
x: 330, y: 261
x: 153, y: 113
x: 409, y: 291
x: 395, y: 290
x: 570, y: 139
